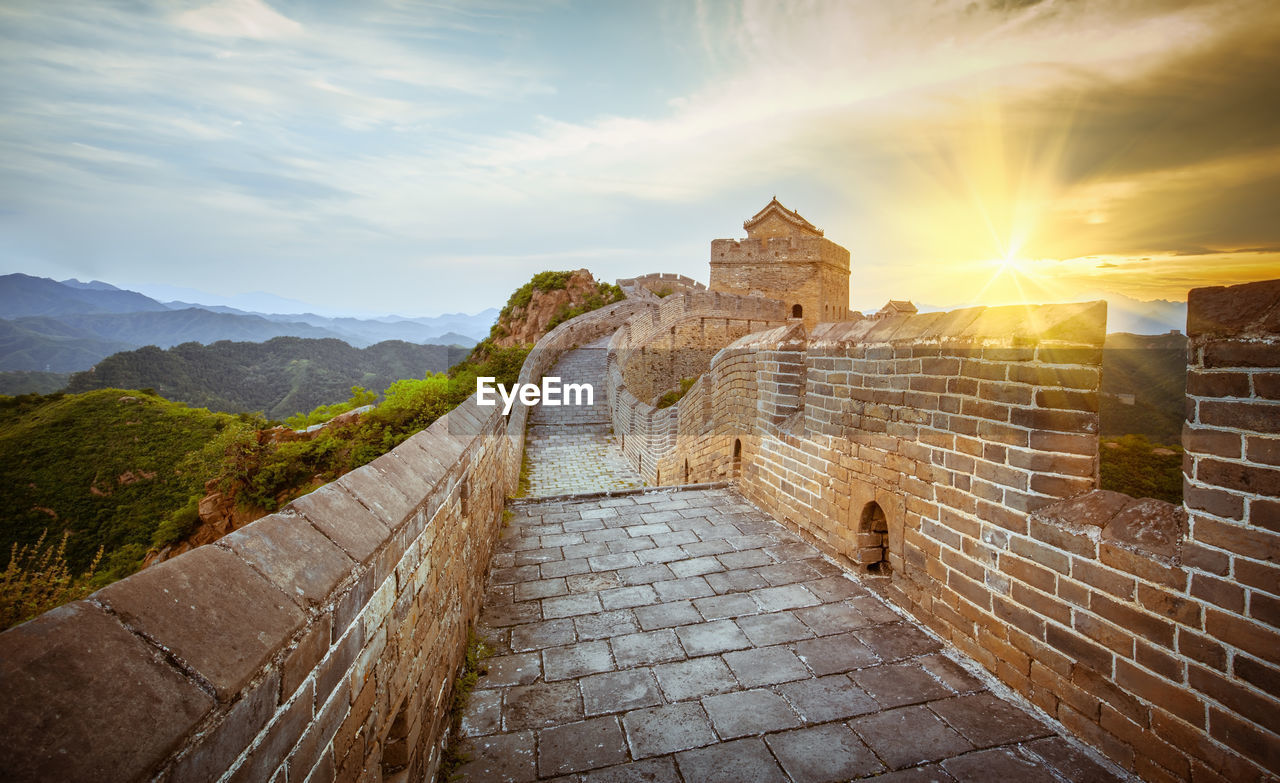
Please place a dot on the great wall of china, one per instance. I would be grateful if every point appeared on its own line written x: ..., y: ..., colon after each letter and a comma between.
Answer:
x: 949, y: 460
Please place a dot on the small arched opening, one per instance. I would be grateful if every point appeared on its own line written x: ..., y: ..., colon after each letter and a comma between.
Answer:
x: 797, y: 311
x: 874, y: 538
x: 737, y: 457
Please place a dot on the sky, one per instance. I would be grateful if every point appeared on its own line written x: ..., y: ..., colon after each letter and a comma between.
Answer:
x: 426, y: 157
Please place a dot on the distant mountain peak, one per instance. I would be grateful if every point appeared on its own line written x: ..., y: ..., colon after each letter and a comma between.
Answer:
x: 92, y: 285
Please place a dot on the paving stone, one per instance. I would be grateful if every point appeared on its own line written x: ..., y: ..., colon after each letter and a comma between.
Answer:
x: 737, y: 581
x: 645, y: 574
x: 775, y: 599
x: 695, y: 566
x: 582, y: 525
x: 986, y: 720
x: 574, y: 562
x: 560, y: 540
x: 642, y: 649
x: 710, y: 638
x: 997, y: 764
x: 517, y: 669
x: 832, y: 654
x: 827, y: 619
x: 930, y: 773
x: 787, y: 573
x: 538, y: 636
x: 585, y: 550
x: 575, y: 747
x: 741, y: 761
x: 541, y: 588
x: 897, y: 685
x: 746, y: 713
x: 483, y: 714
x: 661, y: 554
x: 511, y: 614
x: 619, y: 691
x: 678, y: 589
x: 674, y: 539
x: 765, y: 666
x: 605, y: 535
x: 823, y: 754
x: 648, y: 529
x: 605, y: 624
x: 1071, y: 762
x: 592, y: 583
x: 951, y: 673
x: 570, y: 605
x: 541, y: 704
x: 694, y: 678
x: 909, y: 736
x: 501, y: 758
x: 774, y: 628
x: 897, y: 641
x: 632, y: 546
x: 748, y: 559
x: 704, y: 550
x: 627, y: 597
x: 657, y: 770
x: 538, y: 556
x: 718, y: 607
x: 576, y: 660
x: 875, y: 609
x: 667, y: 729
x: 667, y: 615
x: 823, y: 699
x: 613, y: 562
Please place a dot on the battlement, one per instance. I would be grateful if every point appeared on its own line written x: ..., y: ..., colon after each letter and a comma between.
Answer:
x: 955, y: 456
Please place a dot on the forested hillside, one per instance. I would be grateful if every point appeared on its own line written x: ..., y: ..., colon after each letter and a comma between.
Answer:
x: 278, y: 378
x: 110, y: 467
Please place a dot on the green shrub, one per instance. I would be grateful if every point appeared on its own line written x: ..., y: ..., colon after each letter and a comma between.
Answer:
x: 675, y: 395
x: 1133, y: 465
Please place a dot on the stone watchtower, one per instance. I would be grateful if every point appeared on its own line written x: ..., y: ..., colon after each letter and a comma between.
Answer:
x: 785, y: 257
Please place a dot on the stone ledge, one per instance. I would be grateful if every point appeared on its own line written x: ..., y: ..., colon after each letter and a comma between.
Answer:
x: 60, y: 722
x: 211, y: 611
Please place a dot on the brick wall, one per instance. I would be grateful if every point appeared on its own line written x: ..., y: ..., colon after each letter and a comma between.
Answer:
x: 957, y: 453
x: 809, y: 271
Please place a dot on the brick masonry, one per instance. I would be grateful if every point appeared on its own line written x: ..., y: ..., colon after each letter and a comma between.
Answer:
x: 956, y: 454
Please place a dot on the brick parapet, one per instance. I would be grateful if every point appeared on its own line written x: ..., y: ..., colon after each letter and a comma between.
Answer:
x: 323, y: 637
x: 1147, y: 629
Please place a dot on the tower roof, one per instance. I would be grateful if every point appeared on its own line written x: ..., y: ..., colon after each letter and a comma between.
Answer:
x: 775, y: 209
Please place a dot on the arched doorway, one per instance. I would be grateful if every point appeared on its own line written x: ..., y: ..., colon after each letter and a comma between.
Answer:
x: 875, y: 529
x: 797, y: 311
x: 737, y: 457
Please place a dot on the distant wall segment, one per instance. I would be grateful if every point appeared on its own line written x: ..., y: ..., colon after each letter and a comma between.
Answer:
x: 957, y: 453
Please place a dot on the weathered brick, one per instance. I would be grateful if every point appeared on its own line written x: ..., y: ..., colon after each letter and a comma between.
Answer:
x: 1160, y: 692
x: 1249, y: 636
x: 1084, y: 650
x: 1258, y: 417
x: 1156, y: 629
x: 1117, y: 584
x: 1255, y: 743
x: 1218, y: 592
x: 1243, y: 701
x: 1218, y: 384
x: 1203, y: 649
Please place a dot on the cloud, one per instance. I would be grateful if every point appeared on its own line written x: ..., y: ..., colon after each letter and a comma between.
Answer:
x: 238, y: 19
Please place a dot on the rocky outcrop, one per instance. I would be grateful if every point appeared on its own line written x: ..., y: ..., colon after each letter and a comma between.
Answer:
x: 525, y: 324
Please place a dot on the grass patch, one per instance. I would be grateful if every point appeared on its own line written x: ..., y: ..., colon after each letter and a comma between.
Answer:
x: 455, y: 752
x: 673, y: 396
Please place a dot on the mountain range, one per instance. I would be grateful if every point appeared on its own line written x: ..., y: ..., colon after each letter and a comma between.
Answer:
x: 68, y: 326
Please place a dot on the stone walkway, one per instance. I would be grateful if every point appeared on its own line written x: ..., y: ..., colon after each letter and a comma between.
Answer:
x: 686, y: 636
x: 570, y: 448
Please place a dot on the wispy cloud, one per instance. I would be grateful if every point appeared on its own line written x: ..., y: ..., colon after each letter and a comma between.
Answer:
x: 290, y: 142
